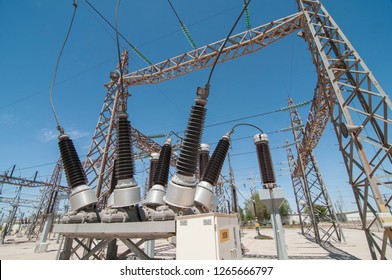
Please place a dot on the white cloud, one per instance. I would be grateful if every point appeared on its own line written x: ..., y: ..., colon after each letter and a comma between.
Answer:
x: 47, y: 135
x: 76, y: 134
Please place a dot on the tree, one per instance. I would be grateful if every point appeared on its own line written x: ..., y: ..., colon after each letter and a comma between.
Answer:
x: 255, y: 208
x: 285, y: 209
x: 242, y: 215
x: 320, y: 212
x: 254, y: 204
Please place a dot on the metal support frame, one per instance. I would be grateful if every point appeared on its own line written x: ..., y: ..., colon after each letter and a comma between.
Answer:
x: 313, y: 188
x: 23, y: 182
x: 101, y: 155
x: 235, y: 208
x: 219, y: 194
x: 353, y: 96
x: 100, y: 158
x: 78, y: 236
x: 11, y: 218
x: 299, y: 192
x: 238, y: 45
x: 273, y: 199
x: 46, y: 205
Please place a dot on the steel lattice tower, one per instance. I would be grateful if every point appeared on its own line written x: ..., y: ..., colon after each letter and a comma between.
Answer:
x: 219, y: 192
x: 314, y: 190
x: 347, y: 92
x: 47, y: 202
x: 100, y: 158
x: 305, y: 220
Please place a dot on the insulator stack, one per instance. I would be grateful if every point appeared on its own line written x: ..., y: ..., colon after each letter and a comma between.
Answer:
x: 153, y: 168
x: 187, y: 161
x: 264, y: 158
x: 113, y: 181
x: 204, y: 156
x: 125, y: 162
x: 162, y: 170
x: 72, y: 165
x: 215, y: 164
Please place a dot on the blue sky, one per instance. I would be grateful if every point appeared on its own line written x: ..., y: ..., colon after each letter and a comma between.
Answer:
x: 31, y: 33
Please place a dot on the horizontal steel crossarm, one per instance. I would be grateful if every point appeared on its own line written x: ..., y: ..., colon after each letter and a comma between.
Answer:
x: 238, y: 45
x: 145, y: 230
x: 11, y: 200
x: 17, y: 181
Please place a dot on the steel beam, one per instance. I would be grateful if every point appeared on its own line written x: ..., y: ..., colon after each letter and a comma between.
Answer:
x: 238, y: 45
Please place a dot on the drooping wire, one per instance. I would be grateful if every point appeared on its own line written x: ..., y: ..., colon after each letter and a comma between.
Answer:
x: 59, y: 128
x: 224, y: 43
x: 282, y: 109
x: 247, y: 17
x: 301, y: 104
x: 245, y: 124
x: 134, y: 49
x: 183, y: 27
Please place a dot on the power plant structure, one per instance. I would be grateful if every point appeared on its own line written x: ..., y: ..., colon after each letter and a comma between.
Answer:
x: 309, y: 187
x: 107, y: 205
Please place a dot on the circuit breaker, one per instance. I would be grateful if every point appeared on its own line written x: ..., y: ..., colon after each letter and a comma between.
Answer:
x: 210, y: 236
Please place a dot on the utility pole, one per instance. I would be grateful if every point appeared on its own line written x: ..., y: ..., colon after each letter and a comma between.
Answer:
x: 234, y: 197
x: 11, y: 217
x: 55, y: 180
x: 48, y: 200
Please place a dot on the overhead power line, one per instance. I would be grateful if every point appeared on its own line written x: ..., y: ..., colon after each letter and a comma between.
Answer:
x: 134, y: 49
x: 301, y: 104
x: 184, y: 28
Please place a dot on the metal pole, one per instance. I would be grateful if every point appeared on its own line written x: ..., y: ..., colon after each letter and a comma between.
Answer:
x: 42, y: 246
x: 273, y: 198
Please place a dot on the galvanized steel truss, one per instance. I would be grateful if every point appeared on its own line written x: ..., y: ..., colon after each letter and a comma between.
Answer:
x: 48, y: 202
x: 313, y: 187
x: 100, y: 158
x: 299, y: 193
x: 352, y: 96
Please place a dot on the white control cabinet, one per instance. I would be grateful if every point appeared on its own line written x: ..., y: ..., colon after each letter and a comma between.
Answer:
x: 210, y: 236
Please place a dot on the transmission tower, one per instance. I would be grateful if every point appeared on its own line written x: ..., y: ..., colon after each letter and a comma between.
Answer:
x: 305, y: 219
x: 349, y: 95
x: 46, y: 189
x: 219, y: 193
x: 12, y: 216
x: 314, y: 190
x: 46, y: 203
x: 234, y: 198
